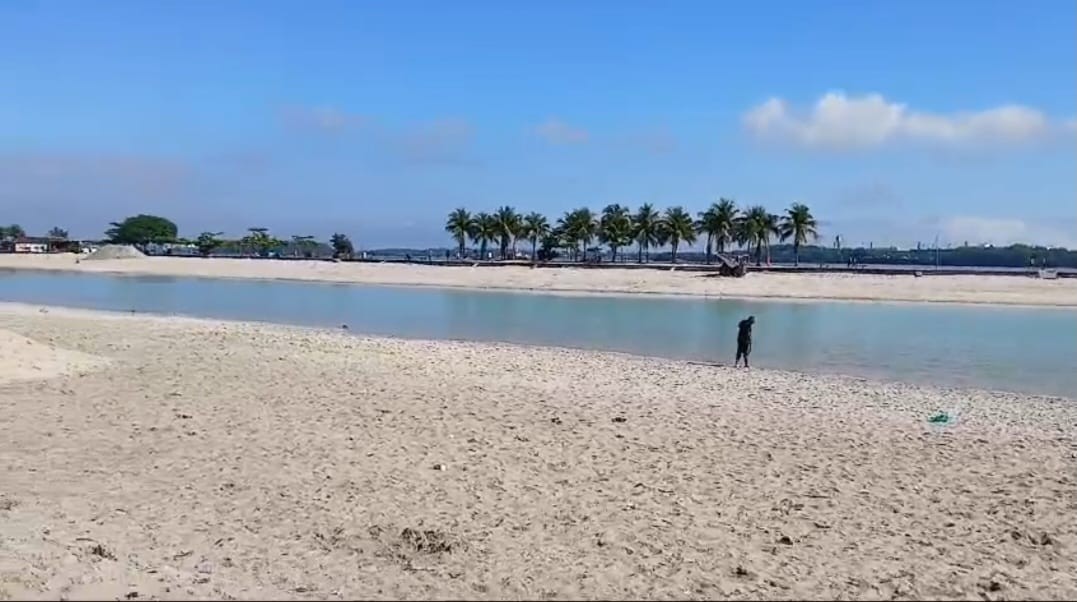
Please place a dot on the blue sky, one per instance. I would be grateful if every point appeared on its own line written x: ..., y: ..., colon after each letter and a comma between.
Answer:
x: 894, y: 121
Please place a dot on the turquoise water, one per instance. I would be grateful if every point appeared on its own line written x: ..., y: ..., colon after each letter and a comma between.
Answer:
x: 1016, y: 349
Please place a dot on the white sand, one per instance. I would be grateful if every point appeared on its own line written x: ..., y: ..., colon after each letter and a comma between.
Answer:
x: 111, y: 252
x: 26, y: 359
x: 953, y: 289
x: 220, y: 460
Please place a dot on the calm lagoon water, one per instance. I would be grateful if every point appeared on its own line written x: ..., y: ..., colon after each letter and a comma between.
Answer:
x: 1016, y: 349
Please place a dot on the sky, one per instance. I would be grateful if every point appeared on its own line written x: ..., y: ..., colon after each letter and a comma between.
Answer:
x: 896, y: 122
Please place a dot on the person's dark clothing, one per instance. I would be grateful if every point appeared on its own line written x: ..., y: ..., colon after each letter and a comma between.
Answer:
x: 744, y: 339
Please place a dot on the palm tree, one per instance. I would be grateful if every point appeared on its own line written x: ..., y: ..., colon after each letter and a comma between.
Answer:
x: 646, y: 229
x: 717, y: 222
x: 726, y: 211
x: 678, y: 227
x: 755, y: 228
x: 586, y: 228
x: 771, y: 227
x: 798, y: 224
x: 508, y: 225
x: 461, y: 226
x: 487, y: 230
x: 615, y: 228
x: 536, y: 228
x: 578, y: 227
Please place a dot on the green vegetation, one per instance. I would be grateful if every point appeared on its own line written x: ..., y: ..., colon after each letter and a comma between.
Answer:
x: 12, y: 232
x: 342, y: 246
x: 141, y: 230
x: 799, y: 225
x: 788, y: 238
x: 208, y: 242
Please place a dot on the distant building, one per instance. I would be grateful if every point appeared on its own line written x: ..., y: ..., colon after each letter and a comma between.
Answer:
x: 31, y: 244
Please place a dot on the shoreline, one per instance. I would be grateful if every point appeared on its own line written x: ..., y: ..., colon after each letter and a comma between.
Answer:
x: 161, y: 464
x: 28, y: 309
x: 993, y: 290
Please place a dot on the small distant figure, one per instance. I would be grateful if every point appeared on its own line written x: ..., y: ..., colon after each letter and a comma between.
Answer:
x: 744, y: 340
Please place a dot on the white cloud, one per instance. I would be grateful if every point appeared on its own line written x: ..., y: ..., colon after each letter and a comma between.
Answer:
x: 841, y: 122
x: 555, y: 131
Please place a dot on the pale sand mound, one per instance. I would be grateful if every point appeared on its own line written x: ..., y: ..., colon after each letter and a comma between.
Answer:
x: 116, y: 252
x: 25, y: 359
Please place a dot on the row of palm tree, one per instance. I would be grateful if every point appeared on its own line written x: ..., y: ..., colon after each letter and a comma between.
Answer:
x: 723, y: 225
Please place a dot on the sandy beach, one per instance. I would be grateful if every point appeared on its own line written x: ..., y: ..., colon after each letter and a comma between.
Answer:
x: 990, y: 289
x: 152, y: 457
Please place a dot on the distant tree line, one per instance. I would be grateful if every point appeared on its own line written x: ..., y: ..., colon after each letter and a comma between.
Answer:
x: 15, y: 232
x: 151, y: 230
x: 722, y: 225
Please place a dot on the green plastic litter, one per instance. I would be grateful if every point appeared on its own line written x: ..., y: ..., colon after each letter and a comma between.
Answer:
x: 941, y: 417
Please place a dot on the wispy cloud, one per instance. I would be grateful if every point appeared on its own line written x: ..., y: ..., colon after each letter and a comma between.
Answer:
x: 324, y: 120
x: 441, y: 141
x: 658, y: 141
x: 840, y: 122
x: 556, y: 131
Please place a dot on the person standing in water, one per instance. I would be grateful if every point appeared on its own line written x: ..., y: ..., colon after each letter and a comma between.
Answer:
x: 744, y: 340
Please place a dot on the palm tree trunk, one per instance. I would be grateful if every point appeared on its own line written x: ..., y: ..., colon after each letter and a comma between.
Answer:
x: 673, y: 246
x: 758, y: 253
x: 796, y: 254
x: 640, y: 259
x: 710, y: 241
x: 534, y: 250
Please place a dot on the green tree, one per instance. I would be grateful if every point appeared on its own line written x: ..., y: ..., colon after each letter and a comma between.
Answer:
x: 615, y: 228
x: 581, y: 228
x: 551, y: 243
x: 207, y: 242
x: 142, y: 229
x: 646, y: 229
x: 535, y: 228
x: 756, y: 227
x: 799, y: 225
x: 304, y: 245
x: 58, y: 233
x: 342, y: 246
x: 566, y: 235
x: 259, y: 241
x: 677, y: 227
x: 487, y: 230
x: 12, y: 232
x: 717, y: 222
x: 508, y: 228
x: 461, y: 226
